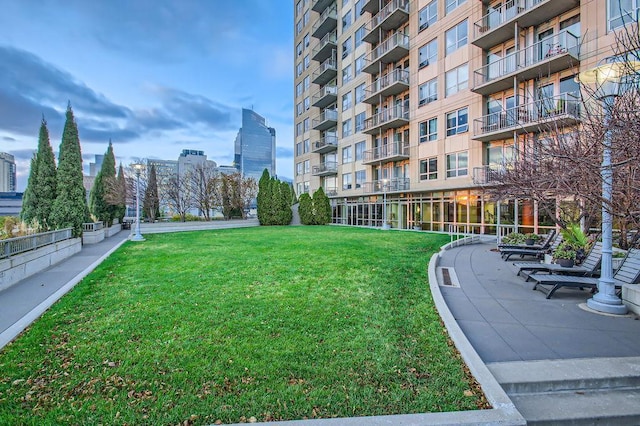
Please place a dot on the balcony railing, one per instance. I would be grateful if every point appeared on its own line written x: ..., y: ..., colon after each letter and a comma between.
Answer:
x: 321, y: 5
x: 325, y: 169
x: 556, y: 53
x: 371, y: 6
x: 392, y: 152
x: 331, y: 191
x: 497, y: 25
x: 325, y: 144
x: 327, y: 21
x: 13, y: 246
x: 393, y: 83
x: 391, y: 118
x: 487, y: 174
x: 326, y: 96
x: 527, y: 118
x: 326, y: 120
x: 391, y: 16
x: 326, y: 47
x: 327, y: 71
x: 386, y: 185
x: 390, y: 50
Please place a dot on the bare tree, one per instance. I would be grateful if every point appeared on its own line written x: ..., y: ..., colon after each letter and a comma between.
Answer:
x: 179, y: 194
x: 205, y: 184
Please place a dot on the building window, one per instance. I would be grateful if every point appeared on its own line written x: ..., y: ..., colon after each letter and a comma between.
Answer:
x: 299, y: 8
x: 346, y: 155
x: 305, y: 18
x: 457, y: 122
x: 346, y: 47
x: 346, y: 181
x: 307, y: 166
x: 428, y: 15
x: 307, y: 81
x: 346, y: 128
x: 428, y: 54
x: 346, y: 101
x: 298, y: 69
x: 306, y: 39
x: 361, y: 176
x: 306, y: 124
x: 429, y: 130
x: 306, y: 103
x: 306, y: 145
x: 346, y: 21
x: 457, y: 164
x: 298, y: 169
x: 456, y: 37
x: 429, y: 169
x: 450, y: 5
x: 299, y: 128
x: 428, y: 92
x: 360, y: 122
x: 360, y: 62
x: 357, y: 9
x: 299, y: 26
x: 621, y: 12
x: 299, y: 148
x: 299, y: 109
x: 306, y: 187
x: 360, y: 93
x: 298, y: 89
x: 456, y: 80
x: 360, y: 150
x: 360, y: 33
x: 347, y: 76
x: 307, y: 62
x: 299, y: 48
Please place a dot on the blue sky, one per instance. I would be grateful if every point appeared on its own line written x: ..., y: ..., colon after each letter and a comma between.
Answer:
x: 154, y: 76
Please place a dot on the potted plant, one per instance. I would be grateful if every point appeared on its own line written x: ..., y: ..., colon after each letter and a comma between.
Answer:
x: 513, y: 238
x: 530, y: 239
x: 565, y: 255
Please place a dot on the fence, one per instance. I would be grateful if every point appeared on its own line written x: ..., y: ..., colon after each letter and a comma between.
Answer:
x: 13, y: 246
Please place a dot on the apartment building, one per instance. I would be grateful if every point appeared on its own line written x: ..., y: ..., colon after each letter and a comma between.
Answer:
x: 403, y: 109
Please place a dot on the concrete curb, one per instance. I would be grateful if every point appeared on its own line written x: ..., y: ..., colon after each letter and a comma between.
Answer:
x: 18, y: 327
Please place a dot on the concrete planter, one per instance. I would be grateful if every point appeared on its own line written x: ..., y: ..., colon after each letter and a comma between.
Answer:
x: 113, y: 230
x: 631, y: 297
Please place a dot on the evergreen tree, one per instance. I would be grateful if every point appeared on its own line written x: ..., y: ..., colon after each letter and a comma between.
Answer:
x: 70, y: 209
x: 264, y: 197
x: 99, y: 203
x: 29, y: 200
x: 45, y: 190
x: 321, y: 207
x: 285, y: 214
x: 305, y: 209
x: 121, y: 192
x: 151, y: 202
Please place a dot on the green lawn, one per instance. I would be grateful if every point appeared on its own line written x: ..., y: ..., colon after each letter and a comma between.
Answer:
x: 273, y: 323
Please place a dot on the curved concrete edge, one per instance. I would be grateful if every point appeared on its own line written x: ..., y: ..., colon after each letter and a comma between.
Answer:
x: 494, y: 393
x: 18, y: 327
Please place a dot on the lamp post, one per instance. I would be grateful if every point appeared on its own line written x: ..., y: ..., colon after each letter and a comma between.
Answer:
x: 610, y: 79
x: 138, y: 169
x: 385, y: 224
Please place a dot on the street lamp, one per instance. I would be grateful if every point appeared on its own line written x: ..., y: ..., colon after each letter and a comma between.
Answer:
x: 138, y: 169
x: 385, y: 224
x: 611, y: 78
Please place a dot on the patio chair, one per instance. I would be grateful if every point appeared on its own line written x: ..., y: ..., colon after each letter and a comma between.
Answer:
x: 546, y: 240
x: 507, y: 253
x: 589, y: 266
x: 627, y: 273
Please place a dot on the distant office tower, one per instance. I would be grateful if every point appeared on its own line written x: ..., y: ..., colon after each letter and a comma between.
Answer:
x: 96, y: 166
x: 255, y: 146
x: 7, y: 172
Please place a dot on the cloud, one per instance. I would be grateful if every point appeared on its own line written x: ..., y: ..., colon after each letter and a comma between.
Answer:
x: 22, y: 154
x: 282, y: 151
x: 191, y: 109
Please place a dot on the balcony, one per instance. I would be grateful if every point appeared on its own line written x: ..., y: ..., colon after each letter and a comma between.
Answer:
x: 371, y: 6
x: 393, y: 83
x: 327, y: 71
x: 325, y: 48
x: 392, y: 118
x: 390, y: 50
x: 553, y: 54
x: 390, y: 17
x: 326, y: 120
x: 396, y: 151
x: 325, y: 96
x: 386, y: 185
x: 331, y: 191
x: 497, y: 26
x: 325, y: 144
x: 328, y: 21
x: 327, y: 168
x: 320, y: 5
x: 487, y: 174
x: 528, y: 118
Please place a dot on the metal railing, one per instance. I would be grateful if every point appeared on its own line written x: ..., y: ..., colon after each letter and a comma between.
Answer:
x: 395, y: 149
x: 386, y: 185
x: 328, y: 64
x: 487, y: 174
x: 331, y: 12
x: 395, y: 40
x: 504, y: 13
x: 395, y: 76
x: 324, y: 91
x: 558, y: 44
x: 386, y: 11
x: 327, y: 141
x: 566, y: 104
x: 91, y: 227
x: 328, y: 38
x: 13, y: 246
x: 326, y: 115
x: 331, y: 191
x: 386, y: 115
x: 326, y: 167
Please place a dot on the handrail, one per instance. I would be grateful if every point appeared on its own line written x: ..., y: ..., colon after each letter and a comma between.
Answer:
x: 395, y: 76
x: 504, y: 13
x: 13, y: 246
x: 394, y: 40
x: 385, y: 151
x: 387, y: 10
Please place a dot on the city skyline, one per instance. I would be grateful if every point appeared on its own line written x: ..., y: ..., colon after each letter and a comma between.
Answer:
x: 152, y: 77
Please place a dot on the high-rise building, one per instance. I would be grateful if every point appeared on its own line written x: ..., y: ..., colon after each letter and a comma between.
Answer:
x: 416, y: 102
x: 255, y: 146
x: 7, y: 172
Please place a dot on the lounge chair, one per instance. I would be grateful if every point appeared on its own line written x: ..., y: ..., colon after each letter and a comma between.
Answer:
x: 550, y: 246
x: 547, y: 240
x: 627, y: 273
x: 589, y: 266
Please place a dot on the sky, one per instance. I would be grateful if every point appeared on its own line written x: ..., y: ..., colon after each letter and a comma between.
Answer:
x: 153, y: 76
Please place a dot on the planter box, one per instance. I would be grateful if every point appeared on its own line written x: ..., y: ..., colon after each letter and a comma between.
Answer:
x: 113, y: 230
x: 92, y: 237
x: 631, y: 297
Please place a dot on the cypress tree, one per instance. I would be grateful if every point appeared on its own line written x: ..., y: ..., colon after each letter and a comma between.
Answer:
x: 321, y: 207
x: 29, y: 200
x: 99, y: 204
x: 151, y: 202
x: 284, y: 204
x: 263, y: 197
x: 304, y: 209
x: 70, y: 206
x: 45, y: 190
x: 121, y: 188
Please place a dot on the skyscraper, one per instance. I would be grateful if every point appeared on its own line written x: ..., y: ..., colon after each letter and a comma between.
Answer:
x: 255, y: 146
x: 7, y: 172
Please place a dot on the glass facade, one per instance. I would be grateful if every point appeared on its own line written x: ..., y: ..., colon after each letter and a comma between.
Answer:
x: 255, y: 146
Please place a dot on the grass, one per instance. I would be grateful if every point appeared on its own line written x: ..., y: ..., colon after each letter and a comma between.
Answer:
x: 234, y: 325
